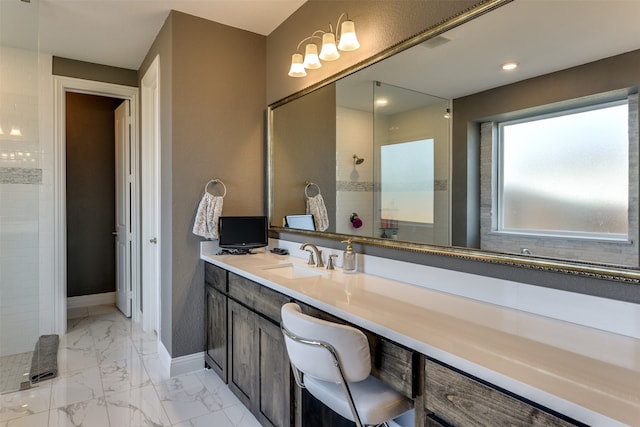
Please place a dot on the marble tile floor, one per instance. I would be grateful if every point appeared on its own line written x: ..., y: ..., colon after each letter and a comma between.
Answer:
x: 109, y: 377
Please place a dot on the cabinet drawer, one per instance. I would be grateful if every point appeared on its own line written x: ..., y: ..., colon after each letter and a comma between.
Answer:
x: 260, y: 299
x: 215, y: 276
x: 462, y: 401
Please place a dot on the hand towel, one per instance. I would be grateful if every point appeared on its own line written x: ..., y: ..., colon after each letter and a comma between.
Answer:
x: 209, y: 211
x: 316, y: 207
x: 44, y: 364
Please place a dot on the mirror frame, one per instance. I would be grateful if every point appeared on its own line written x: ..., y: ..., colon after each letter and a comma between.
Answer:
x: 583, y: 269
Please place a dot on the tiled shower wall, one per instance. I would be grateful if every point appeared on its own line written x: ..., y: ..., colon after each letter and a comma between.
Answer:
x: 20, y: 186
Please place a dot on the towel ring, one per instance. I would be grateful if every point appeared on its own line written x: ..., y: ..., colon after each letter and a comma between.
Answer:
x: 310, y: 184
x: 216, y: 181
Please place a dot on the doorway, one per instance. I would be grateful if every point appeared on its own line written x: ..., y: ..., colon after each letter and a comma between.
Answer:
x: 91, y: 196
x: 64, y: 85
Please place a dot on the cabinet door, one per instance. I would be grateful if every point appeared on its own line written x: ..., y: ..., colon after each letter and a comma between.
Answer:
x: 462, y: 401
x: 242, y: 354
x: 274, y: 388
x: 217, y: 332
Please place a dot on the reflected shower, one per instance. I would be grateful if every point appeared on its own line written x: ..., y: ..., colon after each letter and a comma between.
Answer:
x: 357, y: 160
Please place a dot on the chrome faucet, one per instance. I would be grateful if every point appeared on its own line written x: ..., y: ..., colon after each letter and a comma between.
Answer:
x: 317, y: 251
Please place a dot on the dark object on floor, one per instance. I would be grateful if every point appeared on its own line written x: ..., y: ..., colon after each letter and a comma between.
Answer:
x: 44, y: 364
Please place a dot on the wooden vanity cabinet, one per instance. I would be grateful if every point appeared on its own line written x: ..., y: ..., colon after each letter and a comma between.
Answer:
x: 245, y: 346
x: 452, y: 398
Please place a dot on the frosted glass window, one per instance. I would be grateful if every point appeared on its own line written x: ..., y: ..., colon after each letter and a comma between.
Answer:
x: 407, y: 181
x: 566, y: 174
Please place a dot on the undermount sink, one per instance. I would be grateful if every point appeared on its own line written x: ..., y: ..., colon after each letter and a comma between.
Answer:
x: 293, y: 271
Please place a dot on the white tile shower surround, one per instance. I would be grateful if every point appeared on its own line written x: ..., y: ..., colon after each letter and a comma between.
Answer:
x: 110, y: 376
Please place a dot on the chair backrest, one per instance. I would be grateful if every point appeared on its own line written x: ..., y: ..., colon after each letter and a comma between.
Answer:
x: 350, y: 344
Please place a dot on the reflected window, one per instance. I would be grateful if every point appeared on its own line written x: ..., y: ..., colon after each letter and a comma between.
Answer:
x: 566, y: 174
x: 407, y: 181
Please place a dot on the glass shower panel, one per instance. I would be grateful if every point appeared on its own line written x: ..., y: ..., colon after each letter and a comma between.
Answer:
x: 20, y: 182
x: 354, y: 156
x: 411, y: 165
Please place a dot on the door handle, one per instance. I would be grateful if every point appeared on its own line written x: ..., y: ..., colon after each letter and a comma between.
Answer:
x: 154, y: 240
x: 115, y: 233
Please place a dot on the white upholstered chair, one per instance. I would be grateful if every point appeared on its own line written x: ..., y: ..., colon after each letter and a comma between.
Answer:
x: 333, y: 363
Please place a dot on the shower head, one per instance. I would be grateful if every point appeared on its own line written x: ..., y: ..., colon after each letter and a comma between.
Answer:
x: 357, y: 160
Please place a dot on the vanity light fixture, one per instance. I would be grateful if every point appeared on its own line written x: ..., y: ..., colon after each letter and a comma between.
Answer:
x: 509, y: 66
x: 15, y: 132
x: 348, y: 41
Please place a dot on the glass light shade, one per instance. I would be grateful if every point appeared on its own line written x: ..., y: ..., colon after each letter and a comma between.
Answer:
x: 297, y: 68
x: 329, y: 50
x: 311, y: 60
x: 348, y: 39
x: 15, y: 132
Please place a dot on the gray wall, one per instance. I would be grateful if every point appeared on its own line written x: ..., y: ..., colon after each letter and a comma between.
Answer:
x: 89, y: 71
x: 310, y: 127
x: 212, y: 110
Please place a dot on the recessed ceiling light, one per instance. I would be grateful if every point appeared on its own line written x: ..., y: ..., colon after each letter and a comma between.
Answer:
x: 508, y: 66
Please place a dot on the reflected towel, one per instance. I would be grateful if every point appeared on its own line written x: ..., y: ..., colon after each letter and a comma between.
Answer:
x: 206, y: 222
x: 316, y: 207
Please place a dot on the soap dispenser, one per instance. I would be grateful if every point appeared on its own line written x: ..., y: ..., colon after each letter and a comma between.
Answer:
x: 349, y: 258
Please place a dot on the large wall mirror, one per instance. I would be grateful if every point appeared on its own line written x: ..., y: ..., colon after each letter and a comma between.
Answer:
x: 436, y: 148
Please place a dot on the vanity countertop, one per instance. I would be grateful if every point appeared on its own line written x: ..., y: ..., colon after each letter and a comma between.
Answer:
x: 585, y: 373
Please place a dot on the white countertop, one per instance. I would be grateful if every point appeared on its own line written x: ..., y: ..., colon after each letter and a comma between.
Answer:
x: 585, y: 373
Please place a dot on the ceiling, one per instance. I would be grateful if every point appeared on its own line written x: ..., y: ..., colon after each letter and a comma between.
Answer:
x: 543, y: 35
x: 120, y: 32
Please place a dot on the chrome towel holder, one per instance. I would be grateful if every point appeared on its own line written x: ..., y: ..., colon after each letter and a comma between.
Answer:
x: 216, y: 181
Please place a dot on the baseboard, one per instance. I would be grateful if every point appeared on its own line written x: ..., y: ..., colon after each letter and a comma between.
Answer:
x: 180, y: 365
x: 185, y: 364
x: 89, y: 300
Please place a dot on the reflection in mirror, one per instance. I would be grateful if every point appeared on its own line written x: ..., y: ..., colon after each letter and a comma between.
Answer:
x: 301, y: 222
x: 564, y: 64
x: 411, y: 152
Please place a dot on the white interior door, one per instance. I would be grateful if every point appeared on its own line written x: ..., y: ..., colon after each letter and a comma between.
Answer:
x: 150, y: 176
x: 123, y: 192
